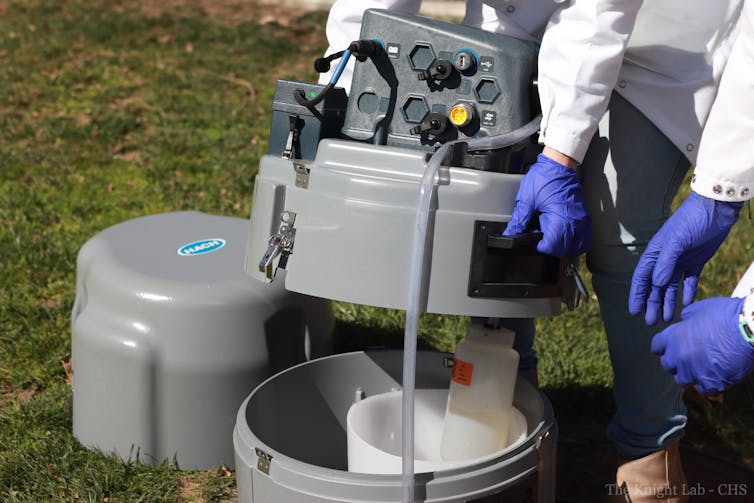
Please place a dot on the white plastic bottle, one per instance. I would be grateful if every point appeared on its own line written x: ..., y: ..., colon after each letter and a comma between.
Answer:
x: 481, y: 394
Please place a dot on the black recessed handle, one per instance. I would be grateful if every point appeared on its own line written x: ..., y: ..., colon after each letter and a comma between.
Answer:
x: 517, y: 241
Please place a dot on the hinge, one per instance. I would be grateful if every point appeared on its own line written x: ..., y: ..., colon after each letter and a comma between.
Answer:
x: 302, y: 175
x: 264, y: 460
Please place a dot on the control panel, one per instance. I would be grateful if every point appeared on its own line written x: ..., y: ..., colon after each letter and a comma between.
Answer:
x: 435, y: 82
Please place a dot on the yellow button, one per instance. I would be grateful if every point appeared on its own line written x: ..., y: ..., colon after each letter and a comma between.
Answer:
x: 460, y: 115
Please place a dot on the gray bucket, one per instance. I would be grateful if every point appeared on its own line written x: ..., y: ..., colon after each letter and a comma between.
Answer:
x: 166, y: 343
x: 290, y: 438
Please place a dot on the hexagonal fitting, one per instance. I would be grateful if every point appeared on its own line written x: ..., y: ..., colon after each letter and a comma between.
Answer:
x: 421, y: 56
x: 486, y: 91
x: 415, y: 109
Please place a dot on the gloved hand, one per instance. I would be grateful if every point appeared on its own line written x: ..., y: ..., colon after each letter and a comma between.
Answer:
x: 553, y: 190
x: 706, y: 349
x: 679, y: 250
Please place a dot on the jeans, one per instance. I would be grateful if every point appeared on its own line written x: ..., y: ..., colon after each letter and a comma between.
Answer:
x: 630, y: 175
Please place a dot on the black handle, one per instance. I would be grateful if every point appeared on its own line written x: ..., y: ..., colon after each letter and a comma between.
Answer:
x: 527, y: 239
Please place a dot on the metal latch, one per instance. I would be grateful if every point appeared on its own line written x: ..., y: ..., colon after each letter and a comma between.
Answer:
x: 302, y: 175
x: 279, y: 244
x: 292, y: 143
x: 574, y: 288
x: 264, y: 459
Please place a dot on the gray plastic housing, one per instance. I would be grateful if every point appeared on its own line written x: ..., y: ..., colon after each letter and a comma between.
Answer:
x: 165, y: 347
x: 290, y: 438
x: 355, y: 221
x: 387, y: 98
x: 322, y: 121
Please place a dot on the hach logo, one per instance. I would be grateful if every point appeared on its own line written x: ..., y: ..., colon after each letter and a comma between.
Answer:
x: 201, y: 247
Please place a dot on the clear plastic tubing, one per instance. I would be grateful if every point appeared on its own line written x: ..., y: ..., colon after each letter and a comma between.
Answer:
x: 415, y: 286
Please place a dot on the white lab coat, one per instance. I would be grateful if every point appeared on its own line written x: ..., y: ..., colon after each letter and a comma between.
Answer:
x: 725, y: 167
x: 665, y: 57
x: 745, y: 288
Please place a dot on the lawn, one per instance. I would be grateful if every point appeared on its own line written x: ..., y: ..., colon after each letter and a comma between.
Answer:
x: 111, y: 110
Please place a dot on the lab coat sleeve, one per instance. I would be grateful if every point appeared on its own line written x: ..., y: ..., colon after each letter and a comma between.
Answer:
x: 344, y: 26
x: 579, y: 61
x: 748, y: 310
x: 745, y: 288
x: 746, y: 285
x: 725, y: 166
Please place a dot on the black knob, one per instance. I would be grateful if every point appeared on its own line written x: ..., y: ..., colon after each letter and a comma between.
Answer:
x: 440, y: 69
x: 322, y: 65
x: 434, y: 124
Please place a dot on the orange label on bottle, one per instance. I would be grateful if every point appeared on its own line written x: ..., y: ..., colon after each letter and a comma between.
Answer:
x: 462, y: 372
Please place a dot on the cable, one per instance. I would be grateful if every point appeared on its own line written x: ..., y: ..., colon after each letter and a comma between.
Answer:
x: 341, y: 66
x: 322, y: 65
x: 361, y: 49
x: 300, y: 96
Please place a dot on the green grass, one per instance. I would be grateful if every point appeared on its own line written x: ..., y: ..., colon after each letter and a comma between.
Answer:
x: 108, y: 112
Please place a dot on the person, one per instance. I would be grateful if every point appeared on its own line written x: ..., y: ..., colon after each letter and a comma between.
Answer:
x: 712, y: 347
x: 625, y: 89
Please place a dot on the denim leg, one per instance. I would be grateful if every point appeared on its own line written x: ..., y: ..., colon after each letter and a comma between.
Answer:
x: 523, y: 342
x: 630, y: 176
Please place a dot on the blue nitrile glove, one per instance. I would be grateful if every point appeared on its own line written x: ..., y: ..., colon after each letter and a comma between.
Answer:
x: 706, y: 349
x: 679, y: 250
x: 554, y: 191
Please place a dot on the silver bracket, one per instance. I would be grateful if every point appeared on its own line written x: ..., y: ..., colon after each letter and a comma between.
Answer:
x: 279, y: 244
x: 264, y: 459
x: 302, y: 175
x: 292, y: 142
x: 288, y: 150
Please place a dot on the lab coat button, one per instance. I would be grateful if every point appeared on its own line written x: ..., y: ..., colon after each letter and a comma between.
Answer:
x: 690, y: 147
x: 510, y: 9
x: 730, y: 192
x: 717, y: 189
x: 622, y: 84
x: 745, y: 192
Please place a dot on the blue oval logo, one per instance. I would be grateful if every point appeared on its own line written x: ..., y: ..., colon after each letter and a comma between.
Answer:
x: 201, y: 247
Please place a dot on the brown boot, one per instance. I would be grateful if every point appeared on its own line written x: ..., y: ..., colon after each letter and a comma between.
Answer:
x: 657, y: 477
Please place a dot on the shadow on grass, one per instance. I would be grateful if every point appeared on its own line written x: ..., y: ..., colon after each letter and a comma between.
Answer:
x: 716, y: 468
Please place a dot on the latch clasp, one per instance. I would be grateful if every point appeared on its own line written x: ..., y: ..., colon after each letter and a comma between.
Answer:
x: 292, y: 148
x: 280, y: 244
